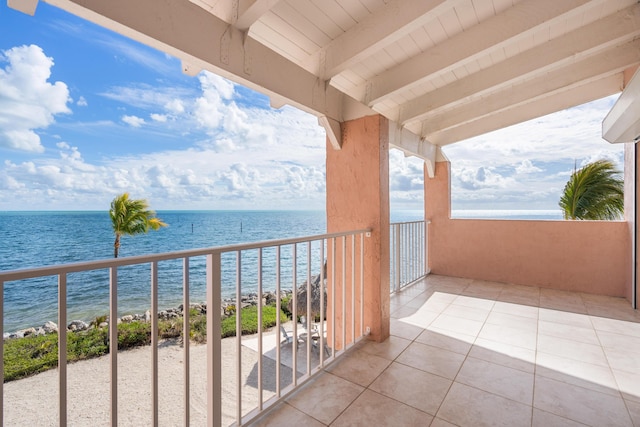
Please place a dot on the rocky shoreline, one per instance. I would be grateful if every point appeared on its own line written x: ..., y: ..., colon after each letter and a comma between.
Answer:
x: 227, y: 308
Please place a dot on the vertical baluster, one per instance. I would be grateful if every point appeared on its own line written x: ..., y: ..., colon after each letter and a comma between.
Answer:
x: 154, y: 342
x: 62, y: 348
x: 238, y: 338
x: 361, y: 284
x: 186, y: 335
x: 322, y: 308
x: 353, y: 288
x: 214, y: 345
x: 396, y: 231
x: 412, y: 249
x: 344, y: 293
x: 309, y: 318
x: 278, y: 308
x: 260, y: 329
x: 113, y: 342
x: 294, y: 298
x: 333, y: 297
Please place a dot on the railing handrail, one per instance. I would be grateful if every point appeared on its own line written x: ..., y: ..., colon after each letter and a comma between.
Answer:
x: 426, y: 221
x: 30, y: 273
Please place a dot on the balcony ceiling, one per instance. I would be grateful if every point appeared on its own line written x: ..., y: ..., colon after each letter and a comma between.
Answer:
x: 440, y: 70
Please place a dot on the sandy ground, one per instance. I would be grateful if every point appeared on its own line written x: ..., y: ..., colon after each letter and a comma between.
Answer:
x: 33, y: 401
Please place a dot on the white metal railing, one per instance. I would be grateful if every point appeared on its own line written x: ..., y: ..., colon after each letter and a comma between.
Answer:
x: 408, y: 254
x: 344, y: 255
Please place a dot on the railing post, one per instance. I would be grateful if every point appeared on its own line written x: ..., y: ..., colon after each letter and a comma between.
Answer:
x: 186, y: 335
x: 214, y: 346
x: 113, y: 342
x: 239, y: 338
x: 62, y: 348
x: 154, y: 343
x: 426, y: 247
x: 397, y: 269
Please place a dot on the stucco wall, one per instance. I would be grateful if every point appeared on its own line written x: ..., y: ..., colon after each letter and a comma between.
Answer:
x: 358, y: 198
x: 585, y: 256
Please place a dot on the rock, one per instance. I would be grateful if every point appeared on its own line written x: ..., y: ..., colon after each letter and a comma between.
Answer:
x: 26, y: 332
x: 269, y: 298
x: 127, y: 319
x: 103, y: 325
x: 40, y: 331
x: 78, y: 325
x: 50, y: 327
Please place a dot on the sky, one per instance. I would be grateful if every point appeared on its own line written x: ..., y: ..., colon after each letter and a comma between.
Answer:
x: 86, y: 114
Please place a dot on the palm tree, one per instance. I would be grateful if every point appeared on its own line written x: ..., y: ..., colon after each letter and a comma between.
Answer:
x: 131, y: 217
x: 594, y: 192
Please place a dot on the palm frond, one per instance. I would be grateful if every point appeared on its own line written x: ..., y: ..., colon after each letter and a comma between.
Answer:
x: 131, y: 217
x: 594, y: 192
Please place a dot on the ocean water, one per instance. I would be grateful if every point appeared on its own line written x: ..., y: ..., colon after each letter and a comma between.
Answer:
x: 515, y: 214
x: 36, y: 239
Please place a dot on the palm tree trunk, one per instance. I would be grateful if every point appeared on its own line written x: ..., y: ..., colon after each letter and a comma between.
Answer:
x: 116, y: 246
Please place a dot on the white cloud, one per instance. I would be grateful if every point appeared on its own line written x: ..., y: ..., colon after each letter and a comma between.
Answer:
x: 134, y: 121
x: 82, y: 102
x: 28, y: 101
x: 526, y: 166
x: 158, y: 117
x: 279, y: 164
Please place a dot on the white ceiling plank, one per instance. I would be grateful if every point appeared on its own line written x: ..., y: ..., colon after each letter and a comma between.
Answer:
x: 302, y: 23
x: 320, y: 18
x: 290, y: 34
x: 601, y: 34
x: 483, y: 8
x: 578, y: 95
x: 355, y: 9
x: 388, y: 25
x: 183, y: 35
x: 436, y: 32
x: 466, y: 14
x: 221, y: 9
x: 265, y: 33
x: 450, y: 23
x: 466, y: 46
x: 336, y: 13
x: 588, y: 69
x: 249, y: 11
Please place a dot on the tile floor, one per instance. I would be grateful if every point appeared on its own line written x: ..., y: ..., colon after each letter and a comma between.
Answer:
x: 473, y: 353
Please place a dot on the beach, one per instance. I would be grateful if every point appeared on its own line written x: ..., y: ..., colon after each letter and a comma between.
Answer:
x: 34, y: 401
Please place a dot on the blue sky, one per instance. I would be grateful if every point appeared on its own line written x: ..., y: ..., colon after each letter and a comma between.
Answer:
x: 86, y: 114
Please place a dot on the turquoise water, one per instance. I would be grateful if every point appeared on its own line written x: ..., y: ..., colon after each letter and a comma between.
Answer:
x: 35, y: 239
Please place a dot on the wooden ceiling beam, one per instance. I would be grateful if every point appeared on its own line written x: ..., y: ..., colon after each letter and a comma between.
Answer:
x: 602, y: 34
x: 593, y: 68
x: 387, y: 25
x: 490, y: 35
x: 577, y: 95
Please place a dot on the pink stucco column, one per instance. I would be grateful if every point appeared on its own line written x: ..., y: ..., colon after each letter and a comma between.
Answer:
x: 358, y: 198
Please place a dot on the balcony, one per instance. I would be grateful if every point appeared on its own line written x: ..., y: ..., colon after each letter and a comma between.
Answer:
x: 227, y: 380
x: 473, y: 353
x: 461, y: 351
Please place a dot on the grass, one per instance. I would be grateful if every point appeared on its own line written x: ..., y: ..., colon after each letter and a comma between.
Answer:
x: 249, y: 320
x: 28, y: 356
